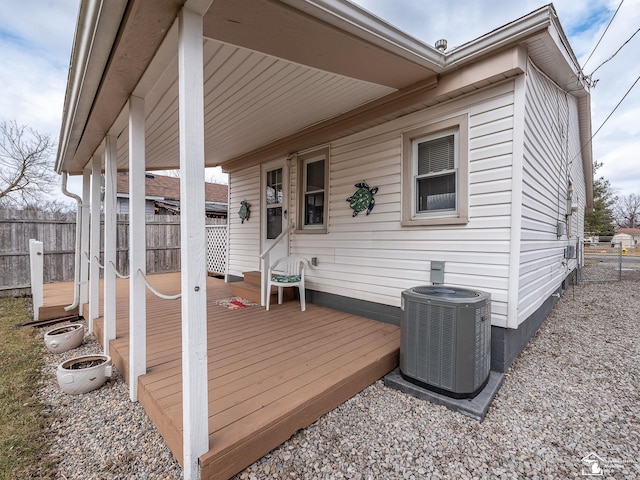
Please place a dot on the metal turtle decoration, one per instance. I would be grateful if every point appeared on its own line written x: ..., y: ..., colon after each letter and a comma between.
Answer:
x: 244, y: 212
x: 363, y: 198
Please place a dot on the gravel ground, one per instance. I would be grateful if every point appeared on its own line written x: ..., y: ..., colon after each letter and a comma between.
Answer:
x: 101, y: 434
x: 573, y: 392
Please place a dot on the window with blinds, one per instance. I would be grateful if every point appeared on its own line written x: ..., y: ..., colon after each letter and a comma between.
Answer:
x: 436, y: 173
x: 313, y: 177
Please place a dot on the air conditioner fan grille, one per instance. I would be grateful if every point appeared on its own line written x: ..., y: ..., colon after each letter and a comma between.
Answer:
x: 445, y: 292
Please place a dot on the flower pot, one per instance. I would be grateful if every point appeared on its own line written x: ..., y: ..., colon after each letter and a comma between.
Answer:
x: 65, y: 338
x: 84, y: 374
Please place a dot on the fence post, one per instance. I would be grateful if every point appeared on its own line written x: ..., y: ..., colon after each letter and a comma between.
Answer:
x: 36, y: 269
x: 619, y: 261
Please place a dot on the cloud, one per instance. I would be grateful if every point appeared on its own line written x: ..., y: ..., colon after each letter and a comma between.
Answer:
x: 35, y: 40
x: 42, y: 28
x: 33, y: 91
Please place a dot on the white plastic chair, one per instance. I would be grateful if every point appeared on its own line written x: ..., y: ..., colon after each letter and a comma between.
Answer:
x: 287, y: 272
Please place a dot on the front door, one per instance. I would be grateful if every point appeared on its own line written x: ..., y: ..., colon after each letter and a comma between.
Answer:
x: 274, y: 210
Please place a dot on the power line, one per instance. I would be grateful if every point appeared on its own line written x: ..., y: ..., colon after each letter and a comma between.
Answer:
x: 616, y: 107
x: 603, y: 33
x: 605, y: 120
x: 616, y: 52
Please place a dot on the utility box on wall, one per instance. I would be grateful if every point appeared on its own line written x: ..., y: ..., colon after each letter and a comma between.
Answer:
x: 437, y: 272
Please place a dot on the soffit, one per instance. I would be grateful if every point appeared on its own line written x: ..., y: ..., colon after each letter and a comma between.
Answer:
x: 274, y: 28
x: 546, y: 55
x: 251, y: 99
x: 270, y: 70
x: 141, y: 31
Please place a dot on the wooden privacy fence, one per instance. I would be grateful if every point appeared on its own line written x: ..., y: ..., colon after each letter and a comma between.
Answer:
x: 57, y: 232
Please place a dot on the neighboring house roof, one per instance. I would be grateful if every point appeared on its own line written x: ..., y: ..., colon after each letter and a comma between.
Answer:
x: 210, y: 208
x: 284, y: 92
x: 634, y: 232
x: 168, y: 188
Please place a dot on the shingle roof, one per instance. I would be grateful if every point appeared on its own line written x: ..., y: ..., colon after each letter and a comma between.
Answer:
x: 169, y: 188
x: 629, y: 231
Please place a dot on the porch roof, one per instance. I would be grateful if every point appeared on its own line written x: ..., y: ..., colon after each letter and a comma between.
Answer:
x: 280, y: 76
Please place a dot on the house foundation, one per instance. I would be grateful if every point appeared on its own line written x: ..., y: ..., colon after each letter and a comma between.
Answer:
x: 506, y: 343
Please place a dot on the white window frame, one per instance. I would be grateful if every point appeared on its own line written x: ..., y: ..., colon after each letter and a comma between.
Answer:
x: 415, y: 143
x: 411, y: 216
x: 304, y: 159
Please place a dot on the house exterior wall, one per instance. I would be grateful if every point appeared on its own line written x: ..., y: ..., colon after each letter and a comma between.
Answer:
x: 122, y: 206
x: 576, y: 167
x: 374, y: 258
x: 551, y: 162
x: 244, y: 238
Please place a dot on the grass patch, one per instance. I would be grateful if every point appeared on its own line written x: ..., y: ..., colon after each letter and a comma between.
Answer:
x: 22, y: 444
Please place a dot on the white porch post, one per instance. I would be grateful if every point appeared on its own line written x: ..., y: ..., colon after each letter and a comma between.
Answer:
x: 137, y: 247
x: 195, y: 410
x: 84, y: 241
x: 94, y: 248
x: 36, y: 270
x: 110, y: 235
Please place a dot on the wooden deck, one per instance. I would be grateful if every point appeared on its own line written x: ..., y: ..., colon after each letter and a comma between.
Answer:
x: 270, y: 373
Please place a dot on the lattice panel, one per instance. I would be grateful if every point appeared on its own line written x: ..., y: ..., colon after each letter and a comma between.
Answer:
x: 217, y: 249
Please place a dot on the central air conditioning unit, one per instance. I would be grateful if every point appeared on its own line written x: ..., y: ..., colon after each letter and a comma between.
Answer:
x: 445, y: 341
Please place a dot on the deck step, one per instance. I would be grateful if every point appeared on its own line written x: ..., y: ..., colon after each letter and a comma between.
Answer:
x: 252, y: 277
x: 246, y: 290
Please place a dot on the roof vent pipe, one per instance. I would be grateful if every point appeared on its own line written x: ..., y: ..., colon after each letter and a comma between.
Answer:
x: 441, y: 45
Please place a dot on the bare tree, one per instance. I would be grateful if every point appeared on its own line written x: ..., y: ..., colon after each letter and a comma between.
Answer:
x: 626, y: 210
x: 211, y: 175
x: 61, y: 208
x: 26, y: 165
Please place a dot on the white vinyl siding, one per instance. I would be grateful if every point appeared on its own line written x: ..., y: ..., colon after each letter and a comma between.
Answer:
x: 551, y: 162
x: 577, y: 175
x: 374, y: 257
x: 122, y: 206
x: 244, y: 238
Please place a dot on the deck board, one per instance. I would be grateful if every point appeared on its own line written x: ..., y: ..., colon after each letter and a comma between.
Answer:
x: 270, y: 373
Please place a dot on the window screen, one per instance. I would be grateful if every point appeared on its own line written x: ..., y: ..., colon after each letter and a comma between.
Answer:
x: 436, y: 174
x: 314, y: 191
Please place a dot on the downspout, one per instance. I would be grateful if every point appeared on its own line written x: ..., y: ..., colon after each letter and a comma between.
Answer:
x: 76, y: 284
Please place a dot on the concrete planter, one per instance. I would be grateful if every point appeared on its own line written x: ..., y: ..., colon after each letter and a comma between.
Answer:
x: 84, y: 374
x: 65, y: 338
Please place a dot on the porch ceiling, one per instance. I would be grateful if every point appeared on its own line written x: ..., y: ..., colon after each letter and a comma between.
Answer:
x: 251, y: 99
x: 280, y: 76
x: 272, y: 68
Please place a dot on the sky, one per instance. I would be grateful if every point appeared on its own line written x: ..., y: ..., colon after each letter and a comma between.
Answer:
x: 36, y: 38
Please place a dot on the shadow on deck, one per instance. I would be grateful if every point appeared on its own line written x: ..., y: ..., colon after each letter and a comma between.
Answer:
x: 270, y: 373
